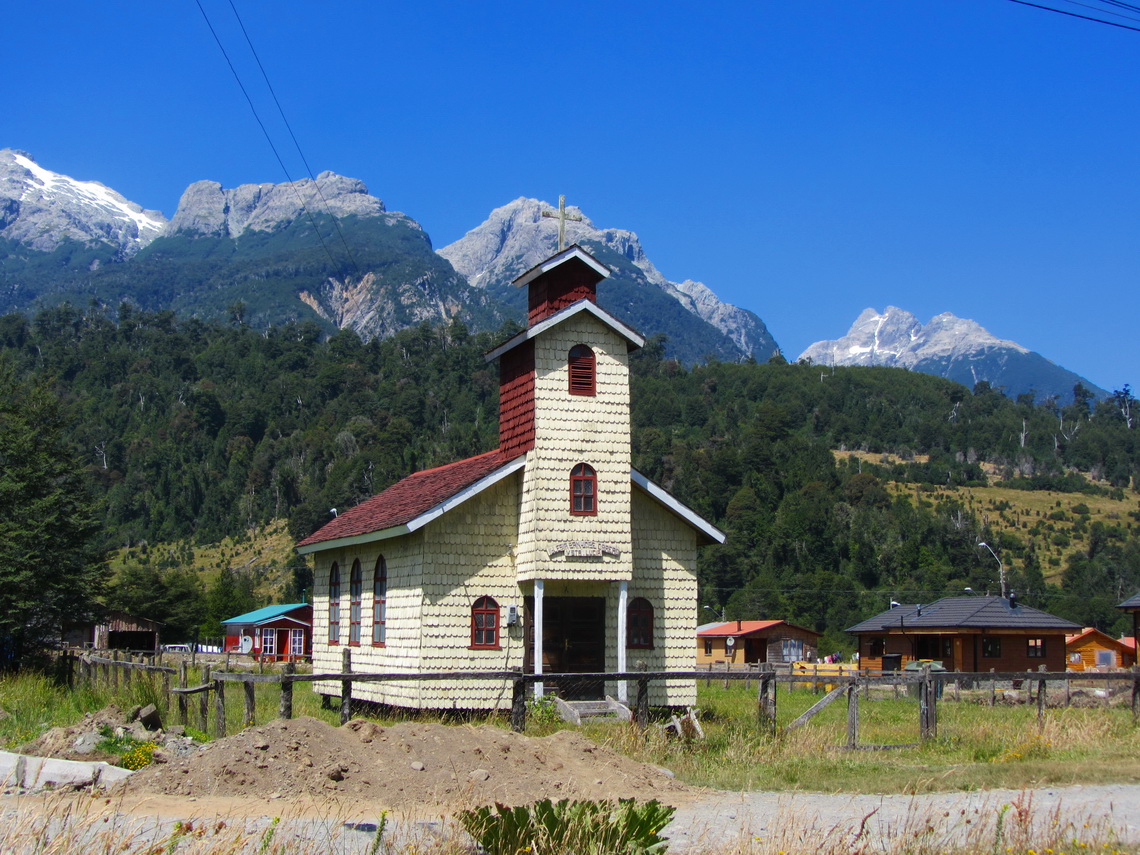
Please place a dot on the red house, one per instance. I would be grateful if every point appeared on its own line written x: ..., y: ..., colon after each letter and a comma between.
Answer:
x: 273, y: 634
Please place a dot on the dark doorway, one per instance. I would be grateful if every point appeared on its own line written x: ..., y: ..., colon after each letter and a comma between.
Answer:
x: 755, y: 650
x: 573, y: 642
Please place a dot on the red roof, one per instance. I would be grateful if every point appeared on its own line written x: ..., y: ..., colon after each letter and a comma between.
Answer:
x: 407, y: 499
x: 747, y: 627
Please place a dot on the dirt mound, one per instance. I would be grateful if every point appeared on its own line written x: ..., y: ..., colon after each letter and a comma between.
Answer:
x: 78, y: 741
x: 405, y: 765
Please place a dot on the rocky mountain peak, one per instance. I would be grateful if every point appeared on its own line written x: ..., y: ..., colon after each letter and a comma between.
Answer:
x: 516, y: 237
x: 897, y: 338
x: 42, y: 209
x: 959, y: 349
x: 206, y: 208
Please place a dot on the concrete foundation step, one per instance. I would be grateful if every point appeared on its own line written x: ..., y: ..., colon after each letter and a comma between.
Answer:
x: 574, y: 711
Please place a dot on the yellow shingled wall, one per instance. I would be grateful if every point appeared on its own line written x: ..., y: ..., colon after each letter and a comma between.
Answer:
x: 664, y: 572
x: 401, y: 652
x: 573, y: 429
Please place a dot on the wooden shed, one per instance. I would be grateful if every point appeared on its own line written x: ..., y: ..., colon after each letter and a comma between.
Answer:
x: 1090, y: 648
x: 749, y: 642
x: 964, y: 634
x: 116, y: 630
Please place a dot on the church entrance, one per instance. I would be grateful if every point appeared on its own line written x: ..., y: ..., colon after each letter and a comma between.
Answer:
x: 573, y: 642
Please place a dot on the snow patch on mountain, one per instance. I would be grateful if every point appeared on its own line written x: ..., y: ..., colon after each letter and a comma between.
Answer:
x: 896, y: 338
x: 41, y: 209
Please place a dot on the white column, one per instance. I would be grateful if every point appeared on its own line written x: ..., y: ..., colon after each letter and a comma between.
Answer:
x: 538, y: 586
x: 623, y: 611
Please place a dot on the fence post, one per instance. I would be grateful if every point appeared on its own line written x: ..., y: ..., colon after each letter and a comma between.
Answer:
x: 957, y: 686
x: 766, y: 699
x: 166, y: 693
x: 128, y: 671
x: 115, y: 671
x: 727, y: 668
x: 182, y: 684
x: 643, y: 701
x: 1136, y: 692
x: 250, y: 704
x: 993, y: 688
x: 204, y: 700
x: 925, y: 704
x: 815, y: 678
x: 853, y: 714
x: 708, y: 679
x: 518, y: 704
x: 1041, y: 697
x: 285, y: 710
x: 345, y: 686
x: 219, y: 709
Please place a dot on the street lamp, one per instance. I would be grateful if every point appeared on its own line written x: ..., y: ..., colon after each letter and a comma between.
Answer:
x: 1001, y: 568
x: 711, y: 609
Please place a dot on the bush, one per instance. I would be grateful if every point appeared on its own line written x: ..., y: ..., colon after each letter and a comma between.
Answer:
x: 564, y: 827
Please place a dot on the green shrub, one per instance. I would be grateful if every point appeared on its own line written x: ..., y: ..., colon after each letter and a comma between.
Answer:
x: 565, y: 827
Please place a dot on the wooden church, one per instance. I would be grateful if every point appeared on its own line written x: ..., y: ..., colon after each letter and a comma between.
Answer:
x: 550, y: 553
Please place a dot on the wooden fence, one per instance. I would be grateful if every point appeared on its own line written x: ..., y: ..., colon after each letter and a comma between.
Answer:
x: 927, y: 685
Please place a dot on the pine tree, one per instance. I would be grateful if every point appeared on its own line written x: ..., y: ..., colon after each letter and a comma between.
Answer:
x: 50, y: 572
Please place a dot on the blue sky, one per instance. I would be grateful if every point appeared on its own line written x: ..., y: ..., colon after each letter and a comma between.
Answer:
x: 806, y: 160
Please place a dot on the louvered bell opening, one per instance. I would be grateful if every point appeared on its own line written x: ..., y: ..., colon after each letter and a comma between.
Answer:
x: 582, y: 374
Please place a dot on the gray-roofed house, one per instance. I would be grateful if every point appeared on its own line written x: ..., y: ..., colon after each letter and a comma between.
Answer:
x: 1132, y: 605
x: 964, y: 634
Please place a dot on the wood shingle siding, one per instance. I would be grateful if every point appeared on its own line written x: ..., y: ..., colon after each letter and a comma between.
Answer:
x: 487, y: 530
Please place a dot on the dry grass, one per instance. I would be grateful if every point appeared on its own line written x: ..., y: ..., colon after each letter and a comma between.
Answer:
x: 1052, y: 521
x: 97, y: 826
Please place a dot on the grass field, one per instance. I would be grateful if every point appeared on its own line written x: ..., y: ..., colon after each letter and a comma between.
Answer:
x: 978, y: 747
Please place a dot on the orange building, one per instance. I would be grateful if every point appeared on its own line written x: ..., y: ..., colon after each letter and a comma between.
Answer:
x: 1090, y: 648
x: 747, y: 642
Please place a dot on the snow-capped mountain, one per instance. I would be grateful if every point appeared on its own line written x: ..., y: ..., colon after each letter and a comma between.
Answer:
x: 41, y: 209
x: 517, y: 236
x: 948, y: 346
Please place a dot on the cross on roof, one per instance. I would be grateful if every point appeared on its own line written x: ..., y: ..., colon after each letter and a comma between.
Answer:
x: 562, y: 218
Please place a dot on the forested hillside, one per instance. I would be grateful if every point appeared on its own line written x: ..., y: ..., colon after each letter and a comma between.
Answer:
x: 195, y: 431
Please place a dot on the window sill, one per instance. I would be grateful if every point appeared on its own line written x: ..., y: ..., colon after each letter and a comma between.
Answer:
x: 379, y: 644
x: 484, y: 647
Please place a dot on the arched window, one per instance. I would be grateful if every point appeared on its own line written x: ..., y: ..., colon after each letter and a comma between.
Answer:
x: 334, y: 604
x: 355, y: 595
x: 582, y: 370
x: 639, y: 624
x: 379, y: 600
x: 485, y: 623
x: 583, y: 490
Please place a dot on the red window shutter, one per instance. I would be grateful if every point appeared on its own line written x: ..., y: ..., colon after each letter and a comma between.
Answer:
x: 582, y: 371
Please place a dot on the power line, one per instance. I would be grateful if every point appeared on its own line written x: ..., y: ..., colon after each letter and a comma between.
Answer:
x: 1106, y: 11
x: 296, y: 144
x: 265, y: 132
x: 1075, y: 15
